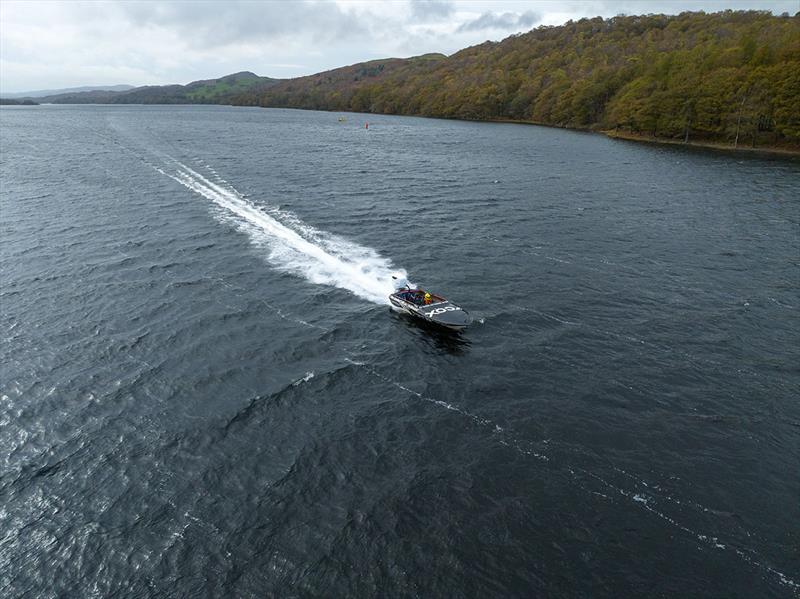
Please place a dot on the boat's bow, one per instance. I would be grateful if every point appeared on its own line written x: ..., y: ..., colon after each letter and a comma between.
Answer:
x: 446, y: 314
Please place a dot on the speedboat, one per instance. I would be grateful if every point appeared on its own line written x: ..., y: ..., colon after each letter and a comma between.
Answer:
x: 438, y: 310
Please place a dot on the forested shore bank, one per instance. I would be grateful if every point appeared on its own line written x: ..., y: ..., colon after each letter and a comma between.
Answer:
x: 761, y: 149
x: 729, y: 78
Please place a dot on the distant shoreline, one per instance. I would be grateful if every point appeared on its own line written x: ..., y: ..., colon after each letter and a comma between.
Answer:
x: 643, y: 138
x: 765, y: 149
x: 18, y: 102
x: 623, y: 135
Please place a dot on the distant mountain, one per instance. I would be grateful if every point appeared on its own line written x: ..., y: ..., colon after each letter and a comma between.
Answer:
x: 333, y: 90
x: 208, y: 91
x: 69, y: 90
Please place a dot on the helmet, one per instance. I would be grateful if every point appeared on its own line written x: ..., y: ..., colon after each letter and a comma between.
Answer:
x: 427, y: 295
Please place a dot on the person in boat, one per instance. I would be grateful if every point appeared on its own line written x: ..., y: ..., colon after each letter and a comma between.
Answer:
x: 427, y: 298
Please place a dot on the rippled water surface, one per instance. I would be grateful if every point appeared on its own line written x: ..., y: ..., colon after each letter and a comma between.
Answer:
x: 205, y: 393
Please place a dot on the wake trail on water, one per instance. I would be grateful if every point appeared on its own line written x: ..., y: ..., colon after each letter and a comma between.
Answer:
x: 294, y: 246
x: 505, y: 437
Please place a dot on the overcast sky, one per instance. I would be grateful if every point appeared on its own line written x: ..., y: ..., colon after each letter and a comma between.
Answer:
x: 45, y: 45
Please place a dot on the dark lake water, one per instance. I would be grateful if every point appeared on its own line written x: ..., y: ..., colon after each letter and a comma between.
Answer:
x: 204, y: 392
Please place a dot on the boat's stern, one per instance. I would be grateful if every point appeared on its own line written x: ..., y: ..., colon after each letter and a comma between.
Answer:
x: 399, y: 303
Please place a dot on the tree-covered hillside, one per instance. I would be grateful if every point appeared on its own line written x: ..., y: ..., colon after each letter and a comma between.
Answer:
x: 729, y: 76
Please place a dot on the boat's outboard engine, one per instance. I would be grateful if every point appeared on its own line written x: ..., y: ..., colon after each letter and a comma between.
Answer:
x: 400, y: 282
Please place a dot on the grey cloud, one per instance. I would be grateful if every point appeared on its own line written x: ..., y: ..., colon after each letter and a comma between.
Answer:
x: 215, y: 24
x: 429, y: 10
x: 506, y: 21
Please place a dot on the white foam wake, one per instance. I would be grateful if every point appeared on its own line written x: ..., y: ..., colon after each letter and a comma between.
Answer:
x: 294, y: 246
